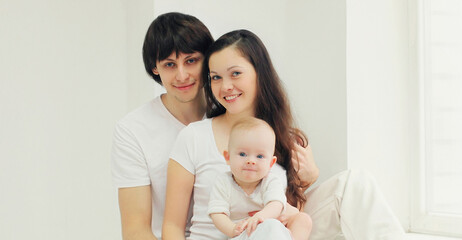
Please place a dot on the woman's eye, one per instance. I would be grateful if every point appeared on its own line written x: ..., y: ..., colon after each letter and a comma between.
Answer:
x: 260, y: 156
x: 215, y: 77
x: 242, y: 154
x: 236, y: 74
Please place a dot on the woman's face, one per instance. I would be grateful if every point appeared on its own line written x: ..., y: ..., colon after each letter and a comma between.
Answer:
x: 233, y: 81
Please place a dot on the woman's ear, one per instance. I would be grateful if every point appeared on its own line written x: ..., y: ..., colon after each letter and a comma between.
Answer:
x: 226, y: 155
x: 273, y: 161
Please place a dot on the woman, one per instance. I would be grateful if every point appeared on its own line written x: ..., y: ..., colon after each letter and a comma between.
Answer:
x: 242, y: 82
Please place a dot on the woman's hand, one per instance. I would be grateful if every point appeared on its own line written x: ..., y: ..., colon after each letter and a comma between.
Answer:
x: 304, y: 164
x: 288, y: 213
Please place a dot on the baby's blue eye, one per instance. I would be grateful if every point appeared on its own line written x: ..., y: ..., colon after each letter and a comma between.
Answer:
x: 242, y: 154
x: 259, y: 156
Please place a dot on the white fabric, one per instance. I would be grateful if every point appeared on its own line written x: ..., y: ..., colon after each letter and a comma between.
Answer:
x: 270, y: 229
x: 351, y: 202
x: 195, y: 149
x: 228, y: 197
x: 140, y: 153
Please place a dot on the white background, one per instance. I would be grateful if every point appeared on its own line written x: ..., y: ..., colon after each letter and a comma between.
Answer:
x: 70, y: 69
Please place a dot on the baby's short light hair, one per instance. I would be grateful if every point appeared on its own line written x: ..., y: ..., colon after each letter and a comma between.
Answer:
x: 247, y: 124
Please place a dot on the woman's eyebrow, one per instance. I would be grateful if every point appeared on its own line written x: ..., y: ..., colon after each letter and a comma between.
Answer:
x: 234, y: 66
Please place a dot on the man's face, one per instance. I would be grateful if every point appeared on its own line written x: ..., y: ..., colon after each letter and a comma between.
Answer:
x: 181, y: 75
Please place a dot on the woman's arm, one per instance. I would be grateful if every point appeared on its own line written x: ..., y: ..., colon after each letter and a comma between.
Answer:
x: 180, y: 184
x: 304, y: 164
x: 135, y: 211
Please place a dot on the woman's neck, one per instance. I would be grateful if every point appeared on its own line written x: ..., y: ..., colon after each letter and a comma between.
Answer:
x: 221, y: 127
x: 186, y: 112
x: 230, y: 119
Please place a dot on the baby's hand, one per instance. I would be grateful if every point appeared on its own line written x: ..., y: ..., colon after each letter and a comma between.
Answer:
x: 253, y: 222
x: 239, y: 227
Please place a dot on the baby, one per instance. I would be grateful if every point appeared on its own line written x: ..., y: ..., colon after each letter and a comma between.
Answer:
x: 251, y: 187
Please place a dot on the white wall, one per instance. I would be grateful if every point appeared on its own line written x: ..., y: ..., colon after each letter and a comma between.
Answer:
x: 378, y: 95
x: 140, y: 86
x: 62, y: 87
x: 315, y: 72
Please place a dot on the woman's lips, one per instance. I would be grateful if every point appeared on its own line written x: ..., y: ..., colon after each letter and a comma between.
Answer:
x: 232, y: 98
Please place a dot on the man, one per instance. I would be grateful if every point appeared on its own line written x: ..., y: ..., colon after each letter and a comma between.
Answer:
x: 173, y: 54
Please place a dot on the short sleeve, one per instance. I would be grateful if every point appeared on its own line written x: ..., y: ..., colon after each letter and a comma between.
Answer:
x: 183, y: 149
x: 278, y: 171
x: 128, y: 163
x: 219, y: 197
x: 273, y: 190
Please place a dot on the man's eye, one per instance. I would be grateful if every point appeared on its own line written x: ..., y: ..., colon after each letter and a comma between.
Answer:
x: 170, y: 64
x: 260, y: 156
x: 242, y: 154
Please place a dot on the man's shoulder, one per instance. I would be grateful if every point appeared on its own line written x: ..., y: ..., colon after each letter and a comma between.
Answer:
x: 148, y: 113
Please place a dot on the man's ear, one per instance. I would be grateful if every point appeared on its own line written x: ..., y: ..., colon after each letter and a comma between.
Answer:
x: 273, y: 161
x: 226, y: 155
x: 154, y: 70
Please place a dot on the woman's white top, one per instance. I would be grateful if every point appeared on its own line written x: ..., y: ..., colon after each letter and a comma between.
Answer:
x: 195, y: 149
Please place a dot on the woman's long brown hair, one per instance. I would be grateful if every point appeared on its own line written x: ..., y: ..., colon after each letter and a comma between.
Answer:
x: 272, y: 104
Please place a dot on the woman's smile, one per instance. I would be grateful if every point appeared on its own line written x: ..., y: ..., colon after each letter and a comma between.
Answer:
x: 232, y: 98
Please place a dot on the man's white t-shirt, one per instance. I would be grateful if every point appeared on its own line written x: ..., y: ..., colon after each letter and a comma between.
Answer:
x: 140, y: 153
x: 229, y: 198
x: 195, y: 149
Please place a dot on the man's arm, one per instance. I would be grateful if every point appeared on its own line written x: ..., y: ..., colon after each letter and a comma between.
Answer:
x: 136, y: 213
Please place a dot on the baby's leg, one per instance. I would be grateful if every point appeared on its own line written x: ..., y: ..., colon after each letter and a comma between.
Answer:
x: 300, y: 226
x: 270, y: 229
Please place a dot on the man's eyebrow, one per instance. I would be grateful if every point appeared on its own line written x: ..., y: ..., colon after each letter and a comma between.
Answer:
x: 167, y: 59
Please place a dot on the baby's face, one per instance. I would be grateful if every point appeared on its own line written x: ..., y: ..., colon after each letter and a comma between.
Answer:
x: 251, y: 154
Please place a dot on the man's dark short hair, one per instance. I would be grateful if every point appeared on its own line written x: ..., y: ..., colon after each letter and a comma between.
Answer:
x: 173, y: 32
